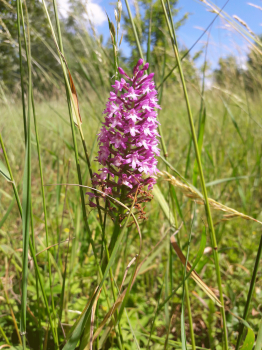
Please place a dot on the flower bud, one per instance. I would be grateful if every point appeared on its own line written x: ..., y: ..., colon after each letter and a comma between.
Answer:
x: 145, y: 66
x: 136, y: 68
x: 121, y: 71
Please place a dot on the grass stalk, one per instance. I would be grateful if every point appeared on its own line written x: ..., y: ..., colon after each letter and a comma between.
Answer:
x: 36, y: 280
x: 44, y: 206
x: 60, y: 43
x: 250, y: 293
x: 26, y: 203
x: 258, y: 345
x: 70, y: 106
x: 27, y: 48
x: 35, y: 263
x: 148, y: 53
x: 201, y: 174
x: 172, y: 193
x: 134, y: 29
x: 30, y: 243
x: 21, y: 64
x: 4, y: 335
x: 75, y: 144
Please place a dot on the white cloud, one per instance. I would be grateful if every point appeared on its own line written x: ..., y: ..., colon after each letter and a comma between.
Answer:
x: 94, y: 11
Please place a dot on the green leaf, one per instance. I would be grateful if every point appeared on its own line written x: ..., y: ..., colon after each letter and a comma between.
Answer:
x: 4, y: 172
x: 163, y: 204
x: 202, y: 122
x: 249, y: 341
x: 259, y: 338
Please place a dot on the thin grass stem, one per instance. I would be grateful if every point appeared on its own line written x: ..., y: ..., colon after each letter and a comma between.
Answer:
x: 44, y: 206
x: 21, y: 64
x: 203, y: 185
x: 4, y: 335
x: 134, y: 30
x: 26, y: 203
x: 250, y: 293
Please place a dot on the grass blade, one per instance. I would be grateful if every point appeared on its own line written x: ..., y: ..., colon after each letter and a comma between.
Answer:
x: 249, y: 341
x: 207, y: 207
x: 259, y: 338
x: 134, y: 30
x: 163, y: 204
x: 250, y: 293
x: 26, y: 204
x: 148, y: 53
x: 18, y: 4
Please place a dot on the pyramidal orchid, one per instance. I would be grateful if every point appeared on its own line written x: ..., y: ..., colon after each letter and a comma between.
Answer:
x: 128, y: 140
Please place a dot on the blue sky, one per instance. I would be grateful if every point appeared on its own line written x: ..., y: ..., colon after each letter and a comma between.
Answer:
x: 223, y: 40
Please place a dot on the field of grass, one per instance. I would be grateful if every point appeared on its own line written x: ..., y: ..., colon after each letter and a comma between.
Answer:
x: 56, y: 298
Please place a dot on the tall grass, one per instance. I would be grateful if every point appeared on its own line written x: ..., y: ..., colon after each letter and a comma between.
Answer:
x: 72, y: 278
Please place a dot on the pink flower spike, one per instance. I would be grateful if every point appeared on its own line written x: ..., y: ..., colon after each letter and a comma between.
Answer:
x: 128, y: 140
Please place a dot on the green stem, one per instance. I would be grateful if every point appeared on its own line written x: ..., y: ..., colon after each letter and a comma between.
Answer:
x: 203, y: 185
x: 26, y: 197
x: 69, y: 97
x: 30, y: 244
x: 164, y: 149
x: 192, y: 334
x: 250, y: 293
x: 21, y: 64
x: 134, y: 30
x: 36, y: 280
x: 41, y: 172
x: 4, y: 335
x: 259, y: 338
x: 120, y: 336
x: 43, y: 293
x: 148, y: 54
x: 44, y: 207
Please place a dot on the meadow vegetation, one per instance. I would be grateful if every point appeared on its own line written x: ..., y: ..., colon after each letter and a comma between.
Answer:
x: 63, y: 283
